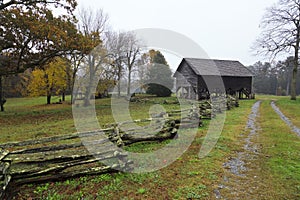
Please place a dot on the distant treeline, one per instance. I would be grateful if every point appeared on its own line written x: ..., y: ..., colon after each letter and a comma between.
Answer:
x: 274, y: 78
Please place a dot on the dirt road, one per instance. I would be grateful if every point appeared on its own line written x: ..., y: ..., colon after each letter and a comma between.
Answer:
x: 242, y: 173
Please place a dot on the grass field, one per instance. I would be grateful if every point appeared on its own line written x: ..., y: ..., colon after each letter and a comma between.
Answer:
x: 187, y: 178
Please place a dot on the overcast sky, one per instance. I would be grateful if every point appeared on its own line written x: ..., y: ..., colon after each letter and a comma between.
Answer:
x: 225, y: 29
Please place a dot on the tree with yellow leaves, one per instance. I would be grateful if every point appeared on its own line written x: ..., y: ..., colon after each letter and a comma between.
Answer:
x: 50, y: 80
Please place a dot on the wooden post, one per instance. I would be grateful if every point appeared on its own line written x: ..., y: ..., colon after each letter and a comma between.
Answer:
x: 1, y: 94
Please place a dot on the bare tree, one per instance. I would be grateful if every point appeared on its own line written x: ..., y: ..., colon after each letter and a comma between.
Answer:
x: 75, y: 58
x: 132, y: 52
x: 142, y: 72
x: 124, y: 49
x: 93, y: 25
x: 115, y: 46
x: 281, y: 34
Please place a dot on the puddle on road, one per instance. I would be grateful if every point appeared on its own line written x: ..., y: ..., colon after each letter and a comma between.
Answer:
x: 294, y: 128
x: 236, y: 165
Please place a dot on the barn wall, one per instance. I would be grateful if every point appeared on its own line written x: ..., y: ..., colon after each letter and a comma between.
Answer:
x: 186, y: 82
x: 188, y: 78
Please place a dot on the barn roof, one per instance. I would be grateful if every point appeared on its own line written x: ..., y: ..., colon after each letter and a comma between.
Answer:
x: 218, y: 67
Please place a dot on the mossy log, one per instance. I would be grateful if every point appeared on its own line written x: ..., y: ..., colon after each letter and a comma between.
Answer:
x: 140, y: 137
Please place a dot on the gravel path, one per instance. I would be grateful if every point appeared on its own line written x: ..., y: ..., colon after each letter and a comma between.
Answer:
x: 285, y: 119
x: 236, y: 167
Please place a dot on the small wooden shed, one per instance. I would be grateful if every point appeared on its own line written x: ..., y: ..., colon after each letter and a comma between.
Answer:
x: 200, y: 78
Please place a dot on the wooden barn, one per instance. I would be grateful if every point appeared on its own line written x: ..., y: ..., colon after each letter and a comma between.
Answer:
x: 200, y: 78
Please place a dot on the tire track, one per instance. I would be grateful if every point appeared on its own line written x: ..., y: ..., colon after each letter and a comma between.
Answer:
x: 294, y: 128
x: 236, y: 167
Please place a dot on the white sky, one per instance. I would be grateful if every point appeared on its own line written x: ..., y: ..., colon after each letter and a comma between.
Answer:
x: 225, y: 29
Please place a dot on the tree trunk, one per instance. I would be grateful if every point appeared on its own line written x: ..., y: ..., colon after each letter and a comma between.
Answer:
x: 63, y: 96
x: 74, y: 94
x: 296, y: 63
x: 88, y: 93
x: 86, y: 100
x: 129, y: 83
x: 119, y: 80
x: 72, y: 87
x: 294, y: 83
x: 119, y: 88
x: 87, y: 96
x: 288, y: 86
x: 294, y: 76
x: 1, y: 95
x: 49, y: 99
x: 72, y: 99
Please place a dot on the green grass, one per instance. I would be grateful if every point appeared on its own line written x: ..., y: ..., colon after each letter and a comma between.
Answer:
x: 291, y: 109
x: 187, y: 178
x: 145, y: 147
x: 280, y: 159
x: 22, y: 104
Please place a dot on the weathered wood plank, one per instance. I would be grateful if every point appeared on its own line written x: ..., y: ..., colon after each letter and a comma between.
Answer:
x: 63, y: 175
x: 55, y: 138
x: 3, y: 153
x: 47, y: 148
x: 54, y: 168
x: 57, y: 156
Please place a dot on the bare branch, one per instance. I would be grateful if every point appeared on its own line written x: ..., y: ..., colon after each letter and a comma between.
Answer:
x: 281, y: 34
